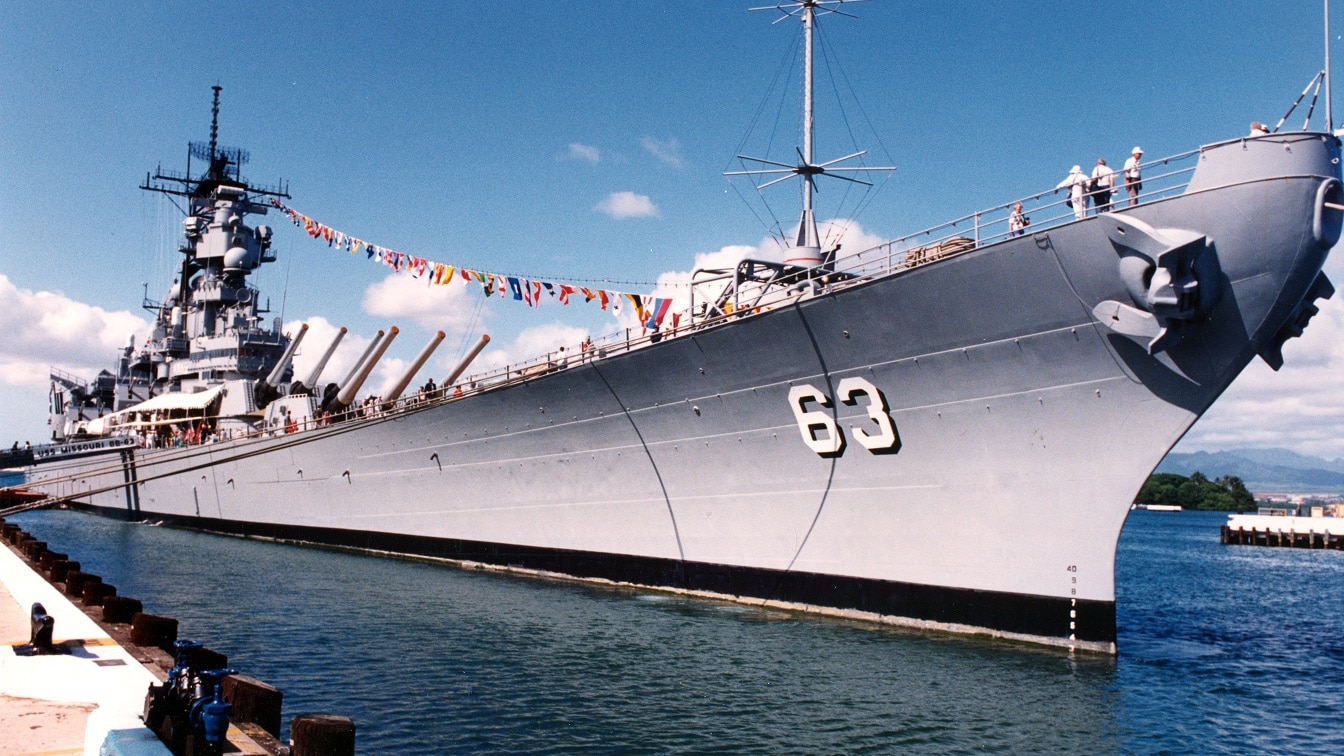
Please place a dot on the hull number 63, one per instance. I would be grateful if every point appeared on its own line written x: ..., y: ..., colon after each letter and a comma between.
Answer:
x: 823, y: 435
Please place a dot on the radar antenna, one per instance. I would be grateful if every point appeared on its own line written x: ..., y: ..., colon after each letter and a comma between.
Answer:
x: 214, y: 120
x: 806, y: 249
x: 223, y: 165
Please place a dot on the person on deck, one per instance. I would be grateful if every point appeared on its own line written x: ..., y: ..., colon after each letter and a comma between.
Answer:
x: 1076, y: 183
x: 1133, y: 177
x: 1103, y: 183
x: 1017, y: 222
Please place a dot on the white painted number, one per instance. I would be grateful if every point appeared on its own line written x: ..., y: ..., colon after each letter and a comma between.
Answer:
x: 831, y: 441
x: 810, y: 421
x: 877, y: 412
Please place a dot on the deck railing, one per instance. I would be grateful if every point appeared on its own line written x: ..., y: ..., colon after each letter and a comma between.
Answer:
x: 1162, y: 179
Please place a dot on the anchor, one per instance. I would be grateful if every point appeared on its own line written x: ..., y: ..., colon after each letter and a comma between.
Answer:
x: 1321, y: 288
x: 1167, y: 273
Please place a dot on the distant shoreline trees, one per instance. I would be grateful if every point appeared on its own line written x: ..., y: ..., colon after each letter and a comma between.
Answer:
x: 1226, y: 494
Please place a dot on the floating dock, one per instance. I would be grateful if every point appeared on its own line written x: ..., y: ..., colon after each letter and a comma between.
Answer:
x: 1276, y: 527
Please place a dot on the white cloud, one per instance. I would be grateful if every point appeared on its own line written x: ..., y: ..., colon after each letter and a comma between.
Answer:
x: 320, y: 335
x: 388, y: 372
x: 1301, y: 407
x: 627, y: 205
x: 531, y: 344
x: 43, y: 329
x: 448, y: 308
x: 583, y: 152
x: 668, y: 152
x: 851, y: 237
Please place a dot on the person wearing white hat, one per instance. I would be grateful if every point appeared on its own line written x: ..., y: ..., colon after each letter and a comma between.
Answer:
x: 1103, y: 183
x: 1077, y: 183
x: 1132, y: 183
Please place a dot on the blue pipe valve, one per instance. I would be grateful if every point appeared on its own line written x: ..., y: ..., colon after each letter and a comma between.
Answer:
x: 212, y: 716
x: 182, y: 657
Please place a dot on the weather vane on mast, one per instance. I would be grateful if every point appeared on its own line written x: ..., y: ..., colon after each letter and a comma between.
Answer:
x: 806, y: 247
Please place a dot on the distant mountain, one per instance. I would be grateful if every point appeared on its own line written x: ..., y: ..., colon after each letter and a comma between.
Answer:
x: 1287, y: 458
x: 1263, y: 470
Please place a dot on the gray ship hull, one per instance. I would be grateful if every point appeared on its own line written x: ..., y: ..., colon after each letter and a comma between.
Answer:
x: 1025, y: 425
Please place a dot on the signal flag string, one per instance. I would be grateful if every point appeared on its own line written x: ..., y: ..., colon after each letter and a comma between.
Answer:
x: 650, y: 310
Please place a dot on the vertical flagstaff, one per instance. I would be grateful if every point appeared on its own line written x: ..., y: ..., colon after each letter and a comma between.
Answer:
x: 1329, y: 112
x: 809, y: 17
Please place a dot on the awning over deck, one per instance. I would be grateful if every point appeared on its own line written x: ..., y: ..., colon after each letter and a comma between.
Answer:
x: 176, y: 401
x: 161, y: 403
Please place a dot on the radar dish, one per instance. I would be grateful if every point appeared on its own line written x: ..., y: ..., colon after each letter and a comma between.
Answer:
x: 237, y: 156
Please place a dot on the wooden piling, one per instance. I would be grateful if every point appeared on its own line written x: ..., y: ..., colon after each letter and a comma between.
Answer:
x: 50, y: 558
x: 62, y: 567
x: 75, y: 582
x: 203, y: 658
x: 254, y: 701
x: 96, y: 593
x: 153, y: 630
x: 34, y: 550
x: 322, y: 735
x: 120, y: 609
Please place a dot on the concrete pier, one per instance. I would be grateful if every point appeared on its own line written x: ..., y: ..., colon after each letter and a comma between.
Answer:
x: 71, y: 684
x: 85, y: 701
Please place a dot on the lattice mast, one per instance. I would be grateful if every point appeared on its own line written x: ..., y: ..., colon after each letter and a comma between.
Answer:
x: 806, y: 248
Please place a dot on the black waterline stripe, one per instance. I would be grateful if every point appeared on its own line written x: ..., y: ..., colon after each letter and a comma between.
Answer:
x: 1043, y: 616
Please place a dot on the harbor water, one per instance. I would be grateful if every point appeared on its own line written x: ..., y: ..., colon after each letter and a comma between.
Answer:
x: 1222, y: 649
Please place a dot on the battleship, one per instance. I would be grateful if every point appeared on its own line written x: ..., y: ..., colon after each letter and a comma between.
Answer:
x: 944, y: 432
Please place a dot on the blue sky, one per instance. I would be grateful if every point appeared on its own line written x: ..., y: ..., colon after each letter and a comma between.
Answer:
x: 495, y: 136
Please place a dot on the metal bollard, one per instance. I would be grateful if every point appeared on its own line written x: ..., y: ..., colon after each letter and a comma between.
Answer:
x: 42, y: 626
